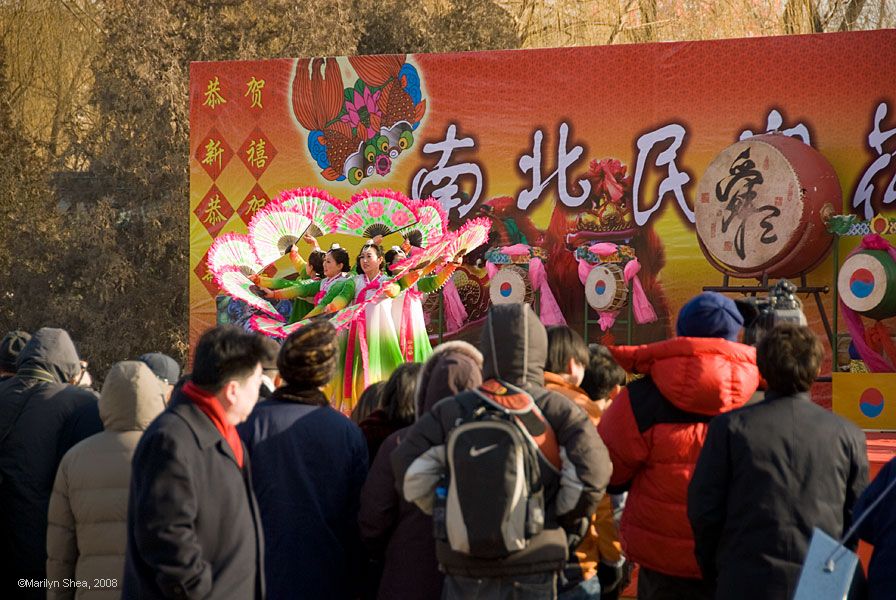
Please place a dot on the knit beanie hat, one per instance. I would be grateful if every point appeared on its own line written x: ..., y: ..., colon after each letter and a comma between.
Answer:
x: 308, y: 357
x: 10, y: 347
x: 710, y: 314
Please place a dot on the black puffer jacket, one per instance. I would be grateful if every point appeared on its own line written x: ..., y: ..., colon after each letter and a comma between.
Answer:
x: 514, y: 347
x: 41, y: 417
x: 767, y: 475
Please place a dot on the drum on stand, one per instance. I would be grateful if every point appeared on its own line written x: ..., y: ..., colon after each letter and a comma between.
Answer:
x: 605, y: 288
x: 511, y: 285
x: 761, y: 208
x: 867, y: 284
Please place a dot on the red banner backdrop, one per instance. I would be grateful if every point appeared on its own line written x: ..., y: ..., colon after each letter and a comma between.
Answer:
x: 606, y: 142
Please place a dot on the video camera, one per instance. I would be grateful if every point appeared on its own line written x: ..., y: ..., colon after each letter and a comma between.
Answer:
x: 761, y: 314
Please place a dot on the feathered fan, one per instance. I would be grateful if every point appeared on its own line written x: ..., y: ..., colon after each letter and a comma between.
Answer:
x: 279, y: 329
x: 373, y: 213
x: 471, y: 235
x: 237, y: 285
x: 432, y: 221
x: 233, y: 250
x: 322, y: 208
x: 432, y: 255
x: 268, y: 326
x: 274, y: 229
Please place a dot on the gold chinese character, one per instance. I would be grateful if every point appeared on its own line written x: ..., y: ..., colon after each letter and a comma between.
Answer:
x: 256, y: 154
x: 213, y: 95
x: 213, y: 152
x: 254, y: 87
x: 208, y: 277
x: 213, y: 214
x: 256, y: 203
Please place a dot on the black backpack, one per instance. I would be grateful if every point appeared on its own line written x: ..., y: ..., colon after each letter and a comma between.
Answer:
x: 491, y: 501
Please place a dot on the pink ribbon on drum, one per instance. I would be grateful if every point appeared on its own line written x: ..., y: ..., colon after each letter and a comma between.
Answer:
x: 549, y: 309
x: 455, y: 312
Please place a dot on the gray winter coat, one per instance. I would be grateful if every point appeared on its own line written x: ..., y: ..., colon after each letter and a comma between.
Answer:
x: 87, y: 533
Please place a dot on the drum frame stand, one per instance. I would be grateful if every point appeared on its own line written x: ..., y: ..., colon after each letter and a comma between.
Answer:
x: 628, y: 321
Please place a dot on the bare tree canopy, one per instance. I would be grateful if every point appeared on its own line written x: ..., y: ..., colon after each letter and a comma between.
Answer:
x: 94, y: 123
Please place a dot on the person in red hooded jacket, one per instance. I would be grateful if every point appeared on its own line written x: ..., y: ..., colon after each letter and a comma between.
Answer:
x: 655, y: 429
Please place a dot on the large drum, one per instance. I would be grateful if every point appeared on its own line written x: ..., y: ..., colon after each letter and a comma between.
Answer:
x: 867, y: 284
x: 761, y: 208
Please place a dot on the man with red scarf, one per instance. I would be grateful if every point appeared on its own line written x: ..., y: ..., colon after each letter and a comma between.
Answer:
x: 193, y: 523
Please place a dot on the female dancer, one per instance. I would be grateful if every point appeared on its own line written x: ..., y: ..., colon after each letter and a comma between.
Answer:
x: 407, y: 308
x: 371, y: 351
x: 310, y: 297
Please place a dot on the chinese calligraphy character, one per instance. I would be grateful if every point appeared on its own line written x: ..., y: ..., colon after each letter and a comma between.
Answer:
x: 876, y: 140
x: 254, y: 87
x: 213, y: 152
x: 213, y: 95
x: 674, y: 181
x: 738, y: 195
x: 213, y: 214
x: 208, y: 277
x: 774, y: 122
x: 256, y: 203
x: 565, y: 159
x: 256, y: 154
x: 448, y: 194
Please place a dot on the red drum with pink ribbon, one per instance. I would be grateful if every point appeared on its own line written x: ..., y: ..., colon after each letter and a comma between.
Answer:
x: 609, y: 273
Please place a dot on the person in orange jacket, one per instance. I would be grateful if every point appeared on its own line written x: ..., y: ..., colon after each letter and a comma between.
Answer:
x: 600, y: 549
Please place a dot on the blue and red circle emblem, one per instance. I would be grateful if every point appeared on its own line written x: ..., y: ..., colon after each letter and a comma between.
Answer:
x: 506, y: 289
x: 600, y: 287
x: 861, y: 283
x: 871, y: 403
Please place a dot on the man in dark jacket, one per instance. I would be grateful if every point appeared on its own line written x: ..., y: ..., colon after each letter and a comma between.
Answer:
x: 193, y: 523
x: 772, y: 471
x: 514, y: 345
x: 41, y: 417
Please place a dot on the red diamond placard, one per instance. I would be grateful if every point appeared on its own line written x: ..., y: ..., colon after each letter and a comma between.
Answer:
x: 214, y: 211
x: 257, y: 152
x: 255, y: 201
x: 205, y: 276
x: 213, y: 153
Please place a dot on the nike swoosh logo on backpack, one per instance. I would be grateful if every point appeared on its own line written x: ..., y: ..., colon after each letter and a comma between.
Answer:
x: 474, y: 451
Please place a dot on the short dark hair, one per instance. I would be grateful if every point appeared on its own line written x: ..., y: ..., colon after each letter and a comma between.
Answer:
x: 225, y: 353
x: 563, y: 344
x: 602, y: 374
x: 316, y: 261
x: 368, y: 402
x: 398, y: 395
x: 340, y: 255
x: 789, y: 357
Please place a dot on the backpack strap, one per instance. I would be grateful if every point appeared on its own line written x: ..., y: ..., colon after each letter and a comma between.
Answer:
x: 530, y: 420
